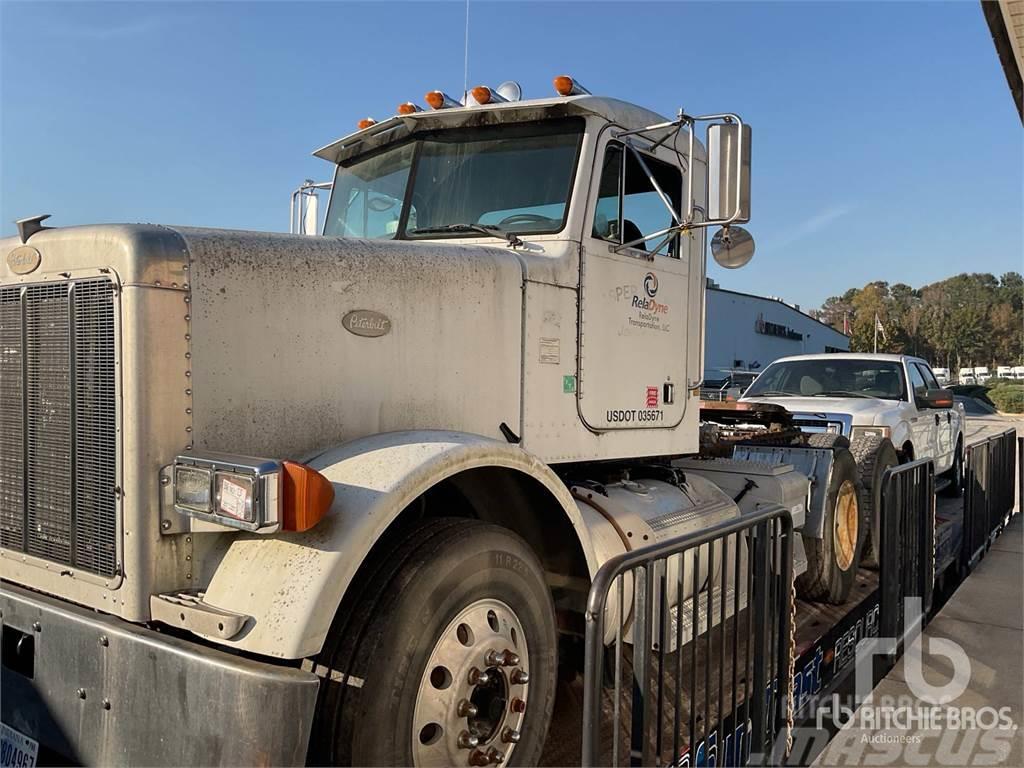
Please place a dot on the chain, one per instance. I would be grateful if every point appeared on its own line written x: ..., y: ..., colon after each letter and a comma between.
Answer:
x: 792, y: 664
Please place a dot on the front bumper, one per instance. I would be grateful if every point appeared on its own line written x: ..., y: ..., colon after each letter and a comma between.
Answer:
x: 101, y: 691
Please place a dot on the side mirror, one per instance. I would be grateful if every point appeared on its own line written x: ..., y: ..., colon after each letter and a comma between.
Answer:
x: 729, y: 173
x: 732, y: 247
x: 936, y: 398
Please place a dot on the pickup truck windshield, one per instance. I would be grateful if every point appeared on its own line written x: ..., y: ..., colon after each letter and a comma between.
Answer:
x: 465, y: 182
x: 831, y: 378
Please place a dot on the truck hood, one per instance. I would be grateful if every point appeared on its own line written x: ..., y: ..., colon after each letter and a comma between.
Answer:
x: 863, y: 410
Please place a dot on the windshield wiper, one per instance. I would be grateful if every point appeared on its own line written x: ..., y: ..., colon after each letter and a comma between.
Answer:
x: 484, y: 229
x: 841, y: 393
x: 771, y: 393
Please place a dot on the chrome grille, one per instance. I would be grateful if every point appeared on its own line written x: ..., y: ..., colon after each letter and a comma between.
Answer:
x: 58, y: 423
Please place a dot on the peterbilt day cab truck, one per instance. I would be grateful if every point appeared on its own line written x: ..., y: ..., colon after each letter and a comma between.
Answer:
x: 271, y: 499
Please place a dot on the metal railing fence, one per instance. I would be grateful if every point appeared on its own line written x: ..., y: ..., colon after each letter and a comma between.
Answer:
x: 686, y: 644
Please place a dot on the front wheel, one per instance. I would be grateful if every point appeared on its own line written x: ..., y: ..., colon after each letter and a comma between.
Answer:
x: 456, y: 658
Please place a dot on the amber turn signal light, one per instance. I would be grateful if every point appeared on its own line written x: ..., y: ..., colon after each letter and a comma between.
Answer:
x: 307, y: 496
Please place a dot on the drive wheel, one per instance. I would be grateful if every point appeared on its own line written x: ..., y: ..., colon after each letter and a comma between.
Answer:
x: 455, y: 659
x: 832, y: 560
x: 874, y: 455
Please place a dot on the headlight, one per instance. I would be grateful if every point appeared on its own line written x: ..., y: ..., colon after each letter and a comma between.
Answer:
x: 235, y: 491
x: 192, y: 488
x: 866, y: 431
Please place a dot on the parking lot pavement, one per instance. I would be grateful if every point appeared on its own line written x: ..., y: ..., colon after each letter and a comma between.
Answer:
x: 979, y: 428
x: 956, y: 697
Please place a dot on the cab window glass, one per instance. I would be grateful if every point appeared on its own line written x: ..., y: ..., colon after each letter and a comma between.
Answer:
x: 641, y: 209
x: 367, y: 198
x: 928, y: 376
x: 917, y: 381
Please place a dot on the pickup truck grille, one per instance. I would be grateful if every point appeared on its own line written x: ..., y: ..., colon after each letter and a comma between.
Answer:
x: 58, y: 423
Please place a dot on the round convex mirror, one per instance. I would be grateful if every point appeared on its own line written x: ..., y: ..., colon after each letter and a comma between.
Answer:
x: 732, y: 247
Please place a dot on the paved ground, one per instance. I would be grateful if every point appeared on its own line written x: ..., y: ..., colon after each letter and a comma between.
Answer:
x: 957, y: 695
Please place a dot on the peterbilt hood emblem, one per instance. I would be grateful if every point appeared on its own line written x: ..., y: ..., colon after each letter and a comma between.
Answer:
x: 366, y: 322
x: 23, y: 259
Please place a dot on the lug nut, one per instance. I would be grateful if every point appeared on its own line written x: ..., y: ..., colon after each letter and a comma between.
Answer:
x: 494, y: 756
x: 510, y: 736
x: 518, y: 706
x: 467, y: 708
x: 520, y: 677
x: 476, y: 677
x: 467, y: 740
x: 505, y: 658
x: 479, y: 757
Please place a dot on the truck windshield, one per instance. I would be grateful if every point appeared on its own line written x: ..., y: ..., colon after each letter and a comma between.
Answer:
x: 460, y: 183
x: 831, y: 378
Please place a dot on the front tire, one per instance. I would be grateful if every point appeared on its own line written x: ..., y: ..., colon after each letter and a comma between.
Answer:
x: 832, y: 559
x: 874, y: 455
x: 455, y: 651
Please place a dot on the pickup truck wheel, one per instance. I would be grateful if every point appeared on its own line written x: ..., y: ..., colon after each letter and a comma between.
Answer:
x: 955, y: 489
x: 832, y: 560
x: 453, y: 660
x: 874, y: 455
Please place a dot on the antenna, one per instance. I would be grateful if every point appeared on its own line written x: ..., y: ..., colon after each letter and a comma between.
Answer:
x: 465, y: 64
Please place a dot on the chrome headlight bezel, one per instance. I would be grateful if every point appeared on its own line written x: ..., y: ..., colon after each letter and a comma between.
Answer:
x: 243, y: 492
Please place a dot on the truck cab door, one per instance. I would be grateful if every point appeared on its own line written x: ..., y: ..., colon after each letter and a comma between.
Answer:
x: 924, y: 422
x: 945, y: 437
x: 638, y: 302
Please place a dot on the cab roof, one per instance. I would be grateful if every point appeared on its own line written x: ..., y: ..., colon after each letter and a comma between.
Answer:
x: 855, y: 356
x: 629, y: 116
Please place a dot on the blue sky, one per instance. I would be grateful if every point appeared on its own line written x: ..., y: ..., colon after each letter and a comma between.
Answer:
x: 886, y: 145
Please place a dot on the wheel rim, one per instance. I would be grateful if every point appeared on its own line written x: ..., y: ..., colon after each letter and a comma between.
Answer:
x: 846, y: 524
x: 473, y: 693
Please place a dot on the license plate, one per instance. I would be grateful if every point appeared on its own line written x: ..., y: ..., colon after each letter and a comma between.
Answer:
x: 16, y: 749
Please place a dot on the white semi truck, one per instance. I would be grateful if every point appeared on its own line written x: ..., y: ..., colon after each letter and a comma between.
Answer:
x: 273, y: 499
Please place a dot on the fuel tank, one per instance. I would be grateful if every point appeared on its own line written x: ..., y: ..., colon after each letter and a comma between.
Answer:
x: 639, y: 512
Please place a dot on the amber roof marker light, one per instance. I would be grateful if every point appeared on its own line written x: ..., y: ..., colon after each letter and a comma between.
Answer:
x: 566, y: 86
x: 440, y: 100
x: 408, y: 108
x: 484, y: 95
x: 366, y: 122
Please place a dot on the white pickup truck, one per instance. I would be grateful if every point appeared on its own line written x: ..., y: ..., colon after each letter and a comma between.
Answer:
x: 890, y: 407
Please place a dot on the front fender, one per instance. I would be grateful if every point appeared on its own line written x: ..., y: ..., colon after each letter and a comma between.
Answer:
x: 291, y: 584
x: 901, y: 433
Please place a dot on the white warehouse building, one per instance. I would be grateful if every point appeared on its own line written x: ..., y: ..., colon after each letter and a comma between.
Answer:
x: 747, y: 332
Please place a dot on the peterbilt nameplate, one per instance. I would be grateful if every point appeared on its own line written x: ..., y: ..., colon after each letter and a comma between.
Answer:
x: 366, y: 322
x: 24, y: 259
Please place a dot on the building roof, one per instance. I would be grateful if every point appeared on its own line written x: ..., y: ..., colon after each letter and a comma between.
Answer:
x: 777, y: 300
x: 1006, y: 22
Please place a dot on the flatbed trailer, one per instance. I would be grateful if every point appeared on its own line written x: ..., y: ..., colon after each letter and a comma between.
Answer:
x: 823, y: 647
